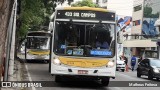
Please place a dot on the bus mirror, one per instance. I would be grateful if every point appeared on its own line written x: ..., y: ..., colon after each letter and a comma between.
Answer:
x: 119, y: 37
x: 50, y: 26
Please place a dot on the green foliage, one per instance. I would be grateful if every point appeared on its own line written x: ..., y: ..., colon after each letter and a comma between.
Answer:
x: 148, y: 13
x: 34, y: 13
x: 88, y: 3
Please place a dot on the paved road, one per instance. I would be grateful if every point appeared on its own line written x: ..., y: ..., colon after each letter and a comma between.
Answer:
x: 38, y: 71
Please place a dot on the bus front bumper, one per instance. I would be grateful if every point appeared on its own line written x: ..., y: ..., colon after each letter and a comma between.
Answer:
x: 96, y: 71
x: 37, y: 57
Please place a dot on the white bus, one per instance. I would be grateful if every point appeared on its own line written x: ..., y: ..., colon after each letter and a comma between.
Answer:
x: 83, y: 44
x: 37, y: 46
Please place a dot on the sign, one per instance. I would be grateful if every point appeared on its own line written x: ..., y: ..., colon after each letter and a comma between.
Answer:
x: 101, y: 52
x: 85, y: 14
x: 41, y: 84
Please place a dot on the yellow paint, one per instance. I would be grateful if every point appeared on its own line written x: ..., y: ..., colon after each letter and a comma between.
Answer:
x: 84, y: 62
x: 86, y: 8
x: 39, y: 52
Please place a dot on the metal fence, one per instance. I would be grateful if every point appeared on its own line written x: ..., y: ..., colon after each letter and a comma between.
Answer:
x: 9, y: 62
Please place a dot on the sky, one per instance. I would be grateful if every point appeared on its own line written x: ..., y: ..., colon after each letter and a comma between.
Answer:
x: 122, y: 7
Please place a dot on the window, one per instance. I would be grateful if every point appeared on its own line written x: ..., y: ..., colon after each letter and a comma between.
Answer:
x: 97, y: 1
x: 38, y: 42
x: 136, y: 23
x: 104, y: 1
x: 146, y: 63
x: 142, y: 63
x: 84, y: 39
x: 155, y: 63
x: 137, y: 8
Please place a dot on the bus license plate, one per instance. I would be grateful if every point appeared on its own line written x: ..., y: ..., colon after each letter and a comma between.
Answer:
x: 82, y: 72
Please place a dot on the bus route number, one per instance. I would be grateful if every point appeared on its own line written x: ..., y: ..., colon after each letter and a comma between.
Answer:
x: 75, y: 14
x: 68, y: 13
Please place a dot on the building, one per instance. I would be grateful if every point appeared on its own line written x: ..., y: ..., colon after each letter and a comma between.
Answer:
x: 101, y: 3
x: 143, y: 32
x: 157, y: 24
x: 124, y: 9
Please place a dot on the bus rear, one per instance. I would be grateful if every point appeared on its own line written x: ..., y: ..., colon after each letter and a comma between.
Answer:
x: 84, y: 44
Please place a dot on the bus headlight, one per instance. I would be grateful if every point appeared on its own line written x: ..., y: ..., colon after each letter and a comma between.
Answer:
x: 110, y: 64
x: 56, y: 61
x: 156, y: 70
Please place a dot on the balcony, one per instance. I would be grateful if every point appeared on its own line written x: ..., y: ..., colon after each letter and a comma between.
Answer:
x: 140, y: 40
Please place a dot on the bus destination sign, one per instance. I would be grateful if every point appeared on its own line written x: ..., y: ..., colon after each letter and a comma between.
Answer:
x: 85, y: 14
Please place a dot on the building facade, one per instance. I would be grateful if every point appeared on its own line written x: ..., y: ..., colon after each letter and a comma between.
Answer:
x: 143, y: 32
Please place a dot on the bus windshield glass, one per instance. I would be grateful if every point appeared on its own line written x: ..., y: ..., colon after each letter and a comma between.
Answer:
x: 84, y: 39
x: 37, y: 42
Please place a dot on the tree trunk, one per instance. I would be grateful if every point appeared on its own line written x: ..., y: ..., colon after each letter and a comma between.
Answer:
x: 5, y: 10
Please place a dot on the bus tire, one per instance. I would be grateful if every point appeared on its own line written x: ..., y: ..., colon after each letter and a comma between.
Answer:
x: 26, y: 61
x: 157, y: 79
x: 47, y: 61
x: 138, y: 74
x: 122, y: 70
x: 150, y: 75
x: 105, y: 81
x: 49, y: 66
x: 58, y: 79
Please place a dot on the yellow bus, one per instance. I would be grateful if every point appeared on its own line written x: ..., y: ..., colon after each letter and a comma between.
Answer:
x: 83, y: 44
x: 37, y: 46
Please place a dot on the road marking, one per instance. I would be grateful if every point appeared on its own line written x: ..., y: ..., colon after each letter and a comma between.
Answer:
x: 130, y: 77
x: 29, y: 76
x: 117, y: 88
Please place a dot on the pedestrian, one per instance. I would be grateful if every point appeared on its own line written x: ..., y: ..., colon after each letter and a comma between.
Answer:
x: 140, y: 59
x: 133, y: 62
x: 126, y: 60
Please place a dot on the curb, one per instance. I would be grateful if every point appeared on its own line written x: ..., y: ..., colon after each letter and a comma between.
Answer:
x: 17, y: 75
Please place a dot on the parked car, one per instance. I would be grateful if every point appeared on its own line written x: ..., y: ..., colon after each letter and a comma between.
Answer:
x: 149, y: 67
x: 22, y: 49
x: 120, y: 65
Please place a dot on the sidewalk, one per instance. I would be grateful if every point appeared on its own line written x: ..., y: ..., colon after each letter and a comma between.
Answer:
x: 18, y: 74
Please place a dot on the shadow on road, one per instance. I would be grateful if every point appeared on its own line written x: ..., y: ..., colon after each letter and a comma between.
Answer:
x: 81, y: 84
x: 146, y: 78
x: 32, y: 61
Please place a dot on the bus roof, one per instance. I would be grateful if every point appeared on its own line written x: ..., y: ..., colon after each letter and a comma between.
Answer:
x: 84, y: 8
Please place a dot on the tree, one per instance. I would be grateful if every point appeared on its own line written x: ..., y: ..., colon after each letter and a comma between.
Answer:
x: 148, y: 13
x: 5, y: 10
x: 33, y: 14
x: 88, y: 3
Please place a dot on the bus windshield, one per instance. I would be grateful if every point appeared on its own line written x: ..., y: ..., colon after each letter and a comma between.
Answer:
x: 38, y: 42
x: 84, y: 39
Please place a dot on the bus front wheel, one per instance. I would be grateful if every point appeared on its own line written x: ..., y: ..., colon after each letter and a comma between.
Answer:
x: 58, y: 78
x: 105, y: 81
